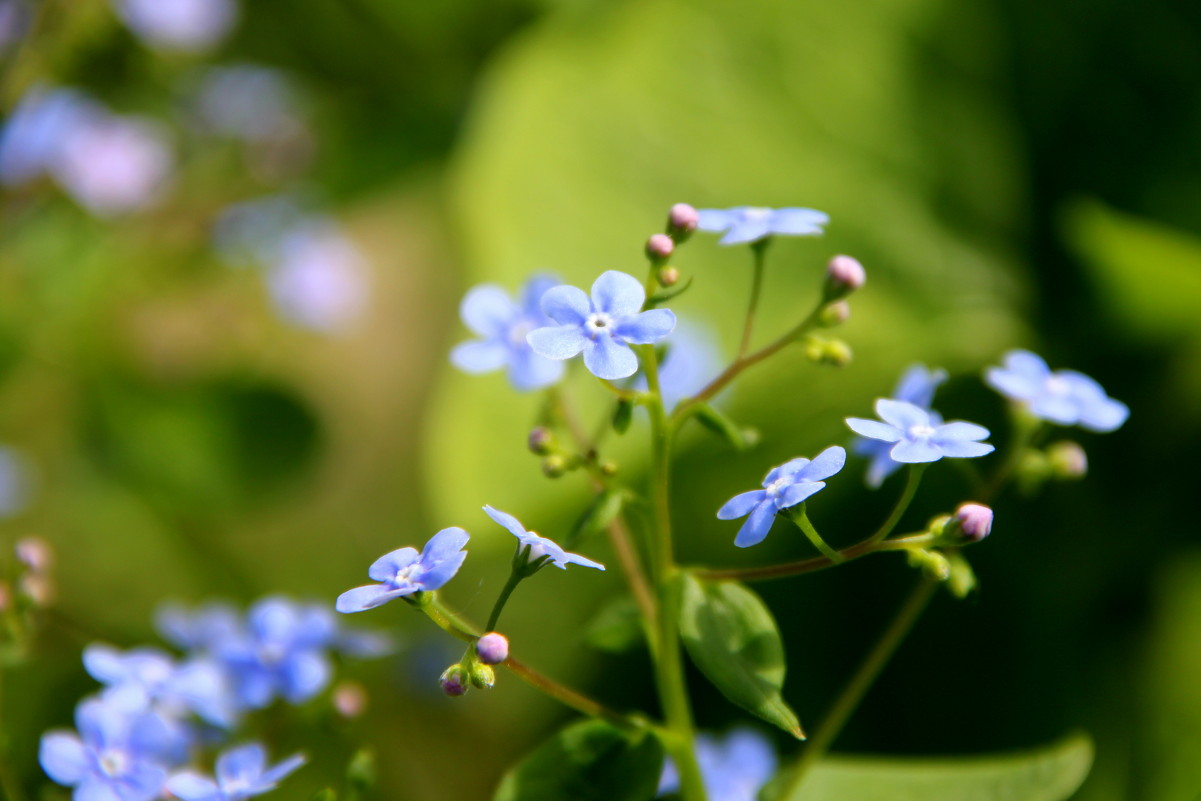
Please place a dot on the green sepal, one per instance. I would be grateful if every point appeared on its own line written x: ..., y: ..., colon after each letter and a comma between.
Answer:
x: 740, y: 438
x: 732, y: 637
x: 962, y: 581
x: 603, y: 510
x: 587, y: 761
x: 1051, y: 773
x: 623, y: 414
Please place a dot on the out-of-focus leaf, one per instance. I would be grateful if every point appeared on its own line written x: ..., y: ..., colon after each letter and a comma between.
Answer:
x: 1052, y: 773
x: 732, y: 637
x: 617, y: 628
x: 605, y: 507
x: 588, y: 761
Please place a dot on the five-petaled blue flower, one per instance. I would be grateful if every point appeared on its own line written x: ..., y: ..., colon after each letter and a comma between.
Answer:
x: 241, y: 773
x: 751, y: 223
x: 502, y: 325
x: 916, y: 386
x: 920, y: 435
x: 539, y: 546
x: 404, y: 572
x: 733, y: 769
x: 785, y: 486
x: 117, y: 756
x: 602, y: 327
x: 1065, y: 397
x: 143, y: 679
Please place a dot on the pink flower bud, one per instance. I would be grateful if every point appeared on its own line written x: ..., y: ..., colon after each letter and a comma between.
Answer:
x: 844, y: 275
x: 682, y: 218
x: 974, y: 521
x: 350, y: 699
x: 492, y: 648
x: 660, y: 246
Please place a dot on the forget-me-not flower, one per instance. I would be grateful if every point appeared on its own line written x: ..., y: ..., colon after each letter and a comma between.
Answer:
x: 539, y: 546
x: 404, y: 572
x: 183, y: 25
x: 787, y: 485
x: 919, y: 435
x: 1065, y: 397
x: 602, y: 327
x: 116, y: 756
x: 733, y: 769
x: 917, y: 386
x: 751, y: 223
x: 502, y: 324
x: 241, y: 773
x: 146, y: 678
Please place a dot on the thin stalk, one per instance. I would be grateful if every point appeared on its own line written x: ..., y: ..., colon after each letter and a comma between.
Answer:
x: 859, y: 684
x: 758, y: 249
x: 1025, y: 428
x: 806, y: 526
x: 786, y: 569
x: 911, y: 482
x: 668, y: 661
x: 505, y: 591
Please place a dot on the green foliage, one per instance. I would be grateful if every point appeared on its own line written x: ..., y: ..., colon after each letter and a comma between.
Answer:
x: 617, y: 627
x: 587, y: 761
x: 603, y: 510
x: 732, y: 637
x: 1052, y: 773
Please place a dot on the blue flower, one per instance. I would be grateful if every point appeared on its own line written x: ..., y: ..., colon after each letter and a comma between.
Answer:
x: 920, y: 435
x: 241, y: 773
x: 917, y: 386
x: 690, y: 362
x: 502, y: 325
x: 733, y: 769
x: 750, y: 223
x: 404, y: 571
x: 538, y: 546
x: 145, y: 678
x: 1064, y: 396
x: 787, y: 485
x: 178, y: 25
x: 603, y: 327
x: 116, y: 756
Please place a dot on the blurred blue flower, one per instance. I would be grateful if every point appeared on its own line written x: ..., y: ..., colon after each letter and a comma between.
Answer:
x: 182, y: 25
x: 14, y: 22
x: 690, y: 362
x: 241, y: 773
x: 603, y: 327
x: 113, y: 164
x: 143, y: 679
x: 202, y: 629
x: 920, y: 435
x: 116, y: 756
x: 404, y: 572
x: 750, y: 223
x: 319, y: 278
x: 539, y: 547
x: 1065, y: 397
x: 787, y: 485
x: 917, y: 386
x: 733, y: 769
x: 246, y: 101
x: 502, y: 324
x: 35, y: 131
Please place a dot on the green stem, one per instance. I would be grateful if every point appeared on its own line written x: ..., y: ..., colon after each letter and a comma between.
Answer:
x: 510, y: 585
x: 767, y: 572
x: 912, y: 480
x: 758, y: 249
x: 860, y: 683
x: 801, y: 518
x: 1025, y: 427
x: 668, y: 662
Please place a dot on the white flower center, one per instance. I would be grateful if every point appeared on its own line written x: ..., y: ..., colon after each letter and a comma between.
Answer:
x: 756, y: 214
x: 113, y: 763
x: 518, y: 331
x: 534, y: 543
x: 597, y: 323
x: 921, y: 432
x: 404, y: 576
x: 778, y: 486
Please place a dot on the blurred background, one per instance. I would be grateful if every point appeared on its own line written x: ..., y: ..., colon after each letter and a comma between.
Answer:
x: 234, y: 235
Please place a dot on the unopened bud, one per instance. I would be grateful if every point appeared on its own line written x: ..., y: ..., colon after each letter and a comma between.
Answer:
x: 454, y: 681
x: 973, y: 521
x: 660, y: 247
x: 932, y: 563
x: 482, y: 676
x: 554, y: 466
x: 835, y: 314
x: 350, y: 699
x: 1067, y: 460
x: 37, y: 588
x: 492, y: 648
x: 682, y: 221
x: 833, y: 352
x: 609, y: 468
x: 668, y: 276
x: 35, y: 553
x: 844, y: 275
x: 541, y: 441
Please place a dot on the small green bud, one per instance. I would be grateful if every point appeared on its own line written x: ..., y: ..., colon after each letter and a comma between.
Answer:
x: 932, y: 563
x: 835, y: 314
x: 668, y: 276
x: 482, y: 676
x: 360, y: 773
x: 963, y: 579
x: 541, y: 441
x: 833, y: 352
x: 1067, y: 460
x: 554, y: 466
x: 623, y: 415
x: 608, y: 468
x: 454, y: 680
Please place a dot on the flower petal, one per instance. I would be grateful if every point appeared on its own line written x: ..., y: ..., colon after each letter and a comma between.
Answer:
x: 566, y: 305
x: 716, y: 220
x: 105, y: 664
x: 609, y: 359
x: 487, y: 310
x: 446, y: 544
x: 901, y: 414
x: 646, y: 327
x: 273, y: 776
x: 959, y: 429
x: 746, y: 231
x: 874, y: 429
x: 798, y: 222
x: 507, y: 520
x: 558, y: 342
x: 575, y: 559
x: 741, y: 505
x: 528, y: 370
x: 480, y: 356
x: 388, y: 565
x: 918, y: 384
x: 304, y: 675
x: 963, y: 449
x: 533, y: 290
x: 825, y: 464
x: 363, y: 598
x: 245, y: 763
x: 915, y: 451
x: 756, y: 527
x: 438, y: 573
x: 1104, y: 416
x: 64, y: 757
x: 798, y: 492
x: 618, y: 294
x: 191, y: 786
x: 94, y: 788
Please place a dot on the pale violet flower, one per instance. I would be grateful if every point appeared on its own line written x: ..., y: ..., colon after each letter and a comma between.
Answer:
x: 16, y: 481
x: 743, y: 224
x: 917, y: 386
x: 601, y: 327
x: 113, y: 164
x: 787, y: 485
x: 405, y: 571
x: 183, y: 25
x: 692, y: 359
x: 241, y: 773
x: 33, y: 134
x: 246, y: 101
x: 1065, y: 397
x: 318, y: 279
x: 918, y: 435
x: 539, y: 547
x: 733, y: 768
x: 502, y: 324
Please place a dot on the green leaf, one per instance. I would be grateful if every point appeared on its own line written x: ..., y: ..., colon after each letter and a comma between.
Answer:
x: 623, y: 414
x: 603, y: 510
x: 587, y: 761
x: 732, y: 637
x: 618, y: 627
x: 741, y: 439
x: 1051, y: 773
